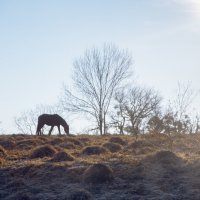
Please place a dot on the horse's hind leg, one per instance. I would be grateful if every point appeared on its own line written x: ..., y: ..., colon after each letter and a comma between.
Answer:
x: 39, y: 127
x: 51, y: 130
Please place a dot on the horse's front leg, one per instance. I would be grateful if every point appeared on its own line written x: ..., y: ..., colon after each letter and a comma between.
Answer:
x: 59, y: 130
x: 51, y: 130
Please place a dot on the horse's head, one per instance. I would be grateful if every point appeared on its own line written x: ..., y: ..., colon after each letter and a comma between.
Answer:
x: 66, y: 128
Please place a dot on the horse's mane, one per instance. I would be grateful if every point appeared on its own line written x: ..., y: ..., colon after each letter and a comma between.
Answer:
x: 62, y: 121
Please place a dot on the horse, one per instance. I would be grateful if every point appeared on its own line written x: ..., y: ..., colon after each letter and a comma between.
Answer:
x: 51, y: 120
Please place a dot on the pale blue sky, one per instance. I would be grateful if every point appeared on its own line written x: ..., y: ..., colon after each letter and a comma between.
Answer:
x: 39, y: 40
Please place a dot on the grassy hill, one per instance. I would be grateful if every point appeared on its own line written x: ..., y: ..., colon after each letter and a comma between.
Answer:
x: 100, y: 167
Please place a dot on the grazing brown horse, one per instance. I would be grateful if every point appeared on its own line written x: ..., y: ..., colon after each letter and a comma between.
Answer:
x: 51, y: 120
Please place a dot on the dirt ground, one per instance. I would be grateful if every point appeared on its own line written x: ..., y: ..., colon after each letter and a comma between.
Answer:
x: 153, y: 167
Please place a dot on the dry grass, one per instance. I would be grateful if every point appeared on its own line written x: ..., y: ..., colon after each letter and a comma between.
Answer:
x: 154, y: 166
x: 112, y: 147
x: 43, y: 151
x: 94, y: 150
x: 62, y: 156
x: 98, y: 173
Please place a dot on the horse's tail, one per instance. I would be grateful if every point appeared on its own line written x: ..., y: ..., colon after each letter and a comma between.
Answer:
x: 38, y: 130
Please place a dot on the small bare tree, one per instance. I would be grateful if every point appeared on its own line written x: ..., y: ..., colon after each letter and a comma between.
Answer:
x: 137, y: 104
x: 184, y: 121
x: 183, y: 100
x: 96, y: 76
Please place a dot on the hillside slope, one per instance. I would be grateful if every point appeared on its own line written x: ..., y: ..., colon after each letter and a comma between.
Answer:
x: 93, y: 167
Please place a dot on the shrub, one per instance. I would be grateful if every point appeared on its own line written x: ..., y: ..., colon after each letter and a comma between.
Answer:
x: 43, y: 151
x: 94, y: 150
x: 98, y: 173
x: 113, y: 147
x: 117, y: 140
x: 62, y: 156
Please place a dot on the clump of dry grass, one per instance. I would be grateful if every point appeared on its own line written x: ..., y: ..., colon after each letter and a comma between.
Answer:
x: 74, y: 141
x: 141, y: 147
x: 94, y: 150
x: 140, y: 144
x: 79, y: 194
x: 163, y: 158
x: 28, y: 143
x: 112, y: 147
x: 2, y: 161
x: 7, y: 144
x: 67, y: 145
x: 98, y: 173
x: 118, y: 140
x: 3, y: 152
x: 43, y: 151
x: 62, y: 156
x: 56, y: 141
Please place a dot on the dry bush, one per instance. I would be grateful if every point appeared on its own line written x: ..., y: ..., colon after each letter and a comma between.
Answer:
x: 118, y: 140
x: 112, y: 147
x: 94, y: 150
x: 79, y: 194
x: 62, y: 156
x: 2, y: 152
x: 98, y: 173
x: 43, y: 151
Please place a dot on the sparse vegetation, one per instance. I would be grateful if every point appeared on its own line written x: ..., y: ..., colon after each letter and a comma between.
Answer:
x: 43, y: 151
x: 98, y: 173
x: 118, y: 140
x: 150, y: 167
x: 62, y: 156
x: 94, y: 150
x: 113, y: 147
x: 2, y: 152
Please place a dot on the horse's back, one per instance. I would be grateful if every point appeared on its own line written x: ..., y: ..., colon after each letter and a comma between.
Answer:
x: 50, y: 119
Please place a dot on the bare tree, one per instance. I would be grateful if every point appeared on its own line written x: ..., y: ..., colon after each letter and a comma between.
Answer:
x: 183, y: 100
x: 183, y: 121
x: 117, y: 116
x: 96, y: 76
x: 137, y: 104
x: 26, y: 123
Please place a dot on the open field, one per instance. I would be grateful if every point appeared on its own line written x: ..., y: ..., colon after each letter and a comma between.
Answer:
x: 92, y: 167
